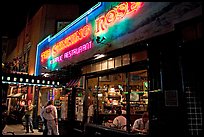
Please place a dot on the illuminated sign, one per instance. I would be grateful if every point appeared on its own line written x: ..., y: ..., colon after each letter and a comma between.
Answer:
x: 106, y: 19
x: 116, y: 14
x: 68, y: 41
x: 72, y: 52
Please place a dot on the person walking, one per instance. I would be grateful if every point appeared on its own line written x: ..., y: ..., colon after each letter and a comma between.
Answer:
x: 45, y: 130
x: 28, y: 116
x: 50, y: 114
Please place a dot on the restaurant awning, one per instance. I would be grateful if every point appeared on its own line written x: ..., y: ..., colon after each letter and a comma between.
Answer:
x: 18, y: 95
x: 73, y: 82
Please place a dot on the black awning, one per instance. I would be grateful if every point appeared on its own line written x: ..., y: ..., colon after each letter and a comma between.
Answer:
x: 73, y: 82
x: 15, y: 78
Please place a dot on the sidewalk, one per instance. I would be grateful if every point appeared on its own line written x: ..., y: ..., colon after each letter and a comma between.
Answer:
x: 18, y: 130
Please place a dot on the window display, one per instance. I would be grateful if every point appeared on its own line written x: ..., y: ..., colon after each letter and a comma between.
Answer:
x: 110, y: 94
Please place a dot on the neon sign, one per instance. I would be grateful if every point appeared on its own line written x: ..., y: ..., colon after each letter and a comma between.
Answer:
x: 68, y: 41
x: 45, y: 55
x: 116, y: 14
x: 72, y: 52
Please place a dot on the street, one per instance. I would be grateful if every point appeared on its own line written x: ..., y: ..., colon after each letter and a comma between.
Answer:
x: 18, y: 130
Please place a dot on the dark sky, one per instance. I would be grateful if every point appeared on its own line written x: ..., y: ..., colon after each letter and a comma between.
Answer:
x: 15, y: 12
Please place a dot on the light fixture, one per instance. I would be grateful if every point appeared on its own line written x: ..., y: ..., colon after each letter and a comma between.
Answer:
x: 14, y: 79
x: 48, y: 82
x: 38, y: 81
x: 43, y: 81
x: 2, y: 77
x: 8, y: 78
x: 26, y: 80
x: 32, y: 81
x: 21, y: 79
x: 98, y: 56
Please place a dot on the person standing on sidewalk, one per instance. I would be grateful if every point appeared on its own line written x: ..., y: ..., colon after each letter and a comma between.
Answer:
x: 28, y: 116
x: 50, y: 115
x: 45, y: 130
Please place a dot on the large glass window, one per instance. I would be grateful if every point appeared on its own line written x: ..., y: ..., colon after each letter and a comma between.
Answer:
x: 109, y: 93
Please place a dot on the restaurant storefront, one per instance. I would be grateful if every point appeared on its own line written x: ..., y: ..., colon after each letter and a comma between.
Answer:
x: 128, y: 55
x: 20, y: 89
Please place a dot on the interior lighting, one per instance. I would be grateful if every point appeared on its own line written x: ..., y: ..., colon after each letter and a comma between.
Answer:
x: 38, y: 81
x: 98, y: 56
x: 100, y: 95
x: 2, y: 77
x: 27, y: 80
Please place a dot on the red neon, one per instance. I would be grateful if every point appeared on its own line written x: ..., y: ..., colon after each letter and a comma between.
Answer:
x: 67, y: 42
x: 115, y: 14
x: 71, y: 39
x: 72, y: 52
x: 45, y: 55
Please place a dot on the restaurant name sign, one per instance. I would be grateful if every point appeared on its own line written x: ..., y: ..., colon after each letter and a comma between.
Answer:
x: 71, y: 41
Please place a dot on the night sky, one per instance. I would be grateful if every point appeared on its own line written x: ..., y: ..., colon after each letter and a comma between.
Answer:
x: 14, y: 13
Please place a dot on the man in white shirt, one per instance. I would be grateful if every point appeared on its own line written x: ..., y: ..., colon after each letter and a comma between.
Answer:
x: 141, y: 125
x: 120, y: 121
x: 50, y: 114
x: 43, y: 119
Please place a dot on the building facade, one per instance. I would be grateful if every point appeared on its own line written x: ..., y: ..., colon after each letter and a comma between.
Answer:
x: 49, y: 19
x: 131, y: 55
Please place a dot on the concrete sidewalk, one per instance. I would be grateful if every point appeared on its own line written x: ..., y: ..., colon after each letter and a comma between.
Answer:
x: 18, y: 130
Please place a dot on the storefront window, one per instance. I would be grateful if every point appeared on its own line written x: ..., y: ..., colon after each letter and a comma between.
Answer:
x: 109, y: 94
x: 93, y: 67
x: 98, y: 66
x: 104, y: 65
x: 110, y: 63
x: 80, y: 94
x: 117, y: 61
x: 126, y: 59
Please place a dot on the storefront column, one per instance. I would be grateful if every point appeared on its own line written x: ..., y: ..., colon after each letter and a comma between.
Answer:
x: 128, y: 102
x: 85, y: 103
x: 35, y: 103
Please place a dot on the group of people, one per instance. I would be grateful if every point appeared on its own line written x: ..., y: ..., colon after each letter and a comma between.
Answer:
x: 49, y: 118
x: 48, y: 115
x: 140, y: 125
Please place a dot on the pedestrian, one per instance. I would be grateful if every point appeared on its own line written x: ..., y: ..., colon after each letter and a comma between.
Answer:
x: 45, y: 130
x: 28, y: 116
x: 141, y: 125
x: 50, y: 115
